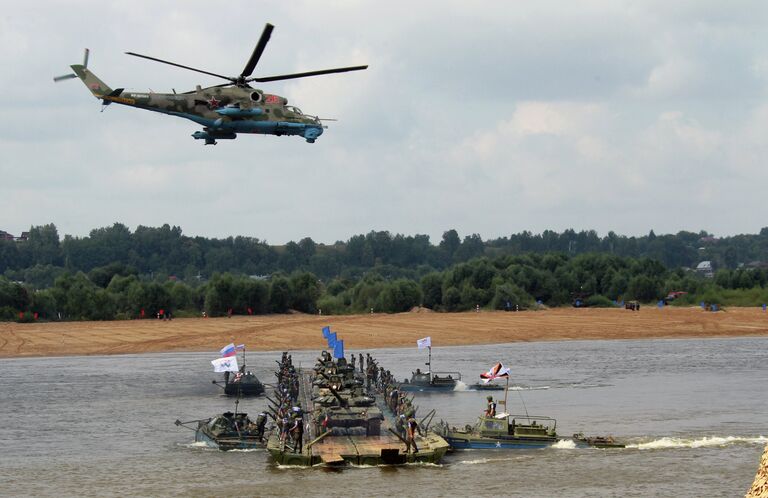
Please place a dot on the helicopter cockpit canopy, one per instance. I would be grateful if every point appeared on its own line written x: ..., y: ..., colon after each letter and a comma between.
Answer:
x: 293, y: 109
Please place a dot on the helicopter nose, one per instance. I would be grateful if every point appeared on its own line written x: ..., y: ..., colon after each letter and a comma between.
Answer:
x: 312, y: 132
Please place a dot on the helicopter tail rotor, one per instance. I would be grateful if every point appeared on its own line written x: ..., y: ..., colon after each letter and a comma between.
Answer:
x: 73, y: 75
x: 64, y: 77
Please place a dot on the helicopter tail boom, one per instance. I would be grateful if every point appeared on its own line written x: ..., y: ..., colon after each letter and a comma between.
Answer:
x: 97, y: 87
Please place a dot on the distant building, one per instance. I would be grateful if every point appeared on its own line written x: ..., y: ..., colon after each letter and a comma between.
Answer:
x: 705, y: 269
x: 708, y: 240
x: 756, y: 265
x: 7, y: 236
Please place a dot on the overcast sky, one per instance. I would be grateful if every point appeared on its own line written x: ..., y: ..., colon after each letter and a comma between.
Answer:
x: 487, y: 117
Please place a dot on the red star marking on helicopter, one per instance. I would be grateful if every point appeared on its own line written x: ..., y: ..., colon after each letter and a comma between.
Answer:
x: 213, y: 103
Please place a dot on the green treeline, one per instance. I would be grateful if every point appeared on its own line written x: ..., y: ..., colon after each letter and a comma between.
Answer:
x: 160, y: 252
x: 124, y: 295
x: 116, y: 273
x: 553, y: 279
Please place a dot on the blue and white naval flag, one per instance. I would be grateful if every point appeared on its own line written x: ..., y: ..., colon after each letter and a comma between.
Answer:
x: 227, y: 364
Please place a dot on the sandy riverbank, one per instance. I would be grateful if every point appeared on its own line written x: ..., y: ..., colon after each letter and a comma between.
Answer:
x: 292, y: 332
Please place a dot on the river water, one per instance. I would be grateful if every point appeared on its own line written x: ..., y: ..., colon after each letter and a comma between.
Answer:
x: 693, y: 411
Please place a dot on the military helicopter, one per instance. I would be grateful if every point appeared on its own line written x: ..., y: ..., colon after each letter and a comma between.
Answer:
x: 223, y: 110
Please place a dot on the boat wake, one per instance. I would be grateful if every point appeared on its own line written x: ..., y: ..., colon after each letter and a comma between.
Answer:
x: 280, y: 466
x: 704, y: 442
x: 587, y: 386
x: 461, y: 386
x: 202, y: 446
x: 356, y: 466
x: 198, y: 445
x: 481, y: 461
x: 564, y: 444
x: 415, y: 464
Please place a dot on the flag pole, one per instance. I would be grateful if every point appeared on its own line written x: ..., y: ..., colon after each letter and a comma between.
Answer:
x: 429, y: 363
x: 237, y: 400
x: 506, y: 391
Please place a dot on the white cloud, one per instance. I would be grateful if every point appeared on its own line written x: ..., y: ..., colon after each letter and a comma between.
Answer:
x: 670, y: 77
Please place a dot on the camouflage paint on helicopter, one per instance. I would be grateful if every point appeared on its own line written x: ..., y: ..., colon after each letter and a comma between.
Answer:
x: 223, y: 110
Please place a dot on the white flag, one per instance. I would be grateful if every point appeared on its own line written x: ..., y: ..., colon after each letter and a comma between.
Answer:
x: 228, y: 364
x: 424, y: 343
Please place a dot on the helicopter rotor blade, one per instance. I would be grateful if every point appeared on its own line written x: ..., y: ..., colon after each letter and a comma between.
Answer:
x: 65, y: 77
x: 309, y: 73
x: 181, y: 66
x: 257, y: 51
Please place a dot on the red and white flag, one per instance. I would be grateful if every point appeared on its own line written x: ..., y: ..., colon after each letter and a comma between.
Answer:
x: 496, y: 371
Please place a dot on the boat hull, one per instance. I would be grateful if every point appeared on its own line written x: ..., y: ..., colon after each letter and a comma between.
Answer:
x: 244, y: 389
x: 486, y: 387
x: 411, y: 387
x: 597, y: 441
x: 359, y: 451
x: 467, y: 442
x: 243, y: 442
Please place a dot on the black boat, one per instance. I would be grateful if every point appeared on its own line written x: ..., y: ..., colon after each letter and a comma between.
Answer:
x: 431, y: 381
x: 483, y: 386
x: 597, y: 441
x: 242, y: 383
